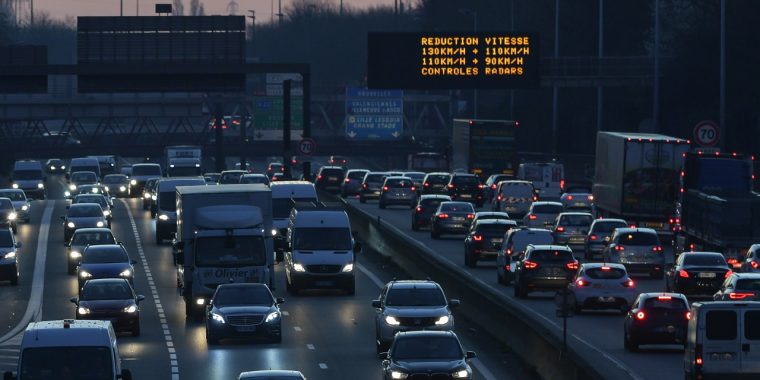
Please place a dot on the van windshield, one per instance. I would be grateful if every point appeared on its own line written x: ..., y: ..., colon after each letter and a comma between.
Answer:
x: 27, y: 174
x: 230, y: 251
x: 317, y: 239
x: 67, y: 363
x: 146, y: 170
x: 13, y: 195
x: 281, y: 206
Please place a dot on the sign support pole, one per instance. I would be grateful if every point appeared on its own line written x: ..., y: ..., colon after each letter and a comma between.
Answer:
x: 286, y: 125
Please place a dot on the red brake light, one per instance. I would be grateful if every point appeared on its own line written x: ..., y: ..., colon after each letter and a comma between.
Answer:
x: 535, y: 198
x: 606, y: 268
x: 619, y: 248
x: 477, y: 237
x: 629, y: 283
x: 493, y: 187
x: 698, y: 355
x: 728, y: 273
x: 499, y: 197
x: 450, y: 186
x: 414, y: 188
x: 560, y: 229
x: 640, y: 315
x: 562, y: 184
x: 688, y: 315
x: 443, y: 216
x: 753, y: 264
x: 590, y: 197
x: 683, y: 274
x: 582, y: 283
x: 657, y: 248
x: 470, y: 216
x: 293, y: 162
x: 532, y: 217
x: 480, y: 186
x: 632, y: 226
x: 319, y: 177
x: 364, y: 186
x: 527, y: 264
x: 569, y: 197
x: 348, y: 180
x: 740, y: 296
x: 418, y: 209
x: 426, y: 184
x: 593, y: 237
x: 664, y: 298
x: 572, y: 265
x: 385, y: 188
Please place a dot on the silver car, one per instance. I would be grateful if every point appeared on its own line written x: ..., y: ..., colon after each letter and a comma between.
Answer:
x: 20, y: 203
x: 542, y: 214
x: 603, y: 286
x: 408, y: 306
x: 571, y: 229
x: 398, y: 191
x: 638, y: 249
x: 352, y: 183
x: 600, y: 233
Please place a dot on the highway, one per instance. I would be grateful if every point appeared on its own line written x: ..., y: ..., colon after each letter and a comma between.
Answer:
x: 600, y: 330
x: 327, y: 335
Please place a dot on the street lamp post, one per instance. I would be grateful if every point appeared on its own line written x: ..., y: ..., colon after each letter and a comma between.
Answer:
x: 722, y: 124
x: 474, y: 15
x: 656, y: 95
x: 555, y: 90
x: 599, y: 87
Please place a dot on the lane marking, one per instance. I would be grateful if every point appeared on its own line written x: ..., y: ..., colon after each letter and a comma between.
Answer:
x: 285, y: 313
x: 310, y: 346
x: 322, y: 365
x: 296, y: 328
x: 173, y: 362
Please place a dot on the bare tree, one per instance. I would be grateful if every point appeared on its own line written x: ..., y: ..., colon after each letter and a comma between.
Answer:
x: 195, y: 7
x: 178, y: 8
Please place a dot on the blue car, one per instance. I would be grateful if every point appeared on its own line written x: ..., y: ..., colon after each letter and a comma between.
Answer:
x: 105, y: 261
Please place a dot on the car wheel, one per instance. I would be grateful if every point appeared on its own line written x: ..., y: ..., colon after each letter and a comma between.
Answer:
x: 72, y: 269
x: 159, y: 237
x: 517, y: 291
x: 14, y: 279
x: 136, y: 330
x: 499, y: 276
x: 412, y: 205
x: 211, y: 339
x: 470, y: 260
x: 381, y: 204
x: 434, y: 233
x: 629, y: 344
x: 415, y: 227
x: 362, y: 200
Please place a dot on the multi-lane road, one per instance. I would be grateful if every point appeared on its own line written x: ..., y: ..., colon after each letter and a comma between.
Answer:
x: 326, y: 335
x: 601, y: 331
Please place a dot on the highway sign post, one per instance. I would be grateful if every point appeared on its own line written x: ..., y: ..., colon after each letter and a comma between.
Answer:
x: 374, y: 114
x: 565, y: 301
x: 706, y: 133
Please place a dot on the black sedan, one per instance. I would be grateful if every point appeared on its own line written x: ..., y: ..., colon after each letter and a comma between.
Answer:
x: 426, y: 207
x: 105, y: 261
x: 111, y: 299
x: 697, y: 273
x: 451, y: 218
x: 467, y: 188
x: 238, y: 310
x: 544, y: 267
x: 656, y: 318
x: 417, y: 354
x: 55, y: 166
x: 484, y: 240
x: 80, y: 216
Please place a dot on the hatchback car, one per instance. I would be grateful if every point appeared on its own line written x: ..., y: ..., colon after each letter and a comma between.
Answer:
x: 483, y: 215
x: 398, y: 191
x: 417, y: 179
x: 544, y: 267
x: 82, y: 238
x: 571, y: 228
x: 542, y: 214
x: 111, y: 299
x: 638, y: 249
x: 77, y: 179
x: 21, y: 204
x: 698, y: 273
x: 372, y: 186
x: 418, y: 354
x: 408, y: 306
x: 599, y: 234
x: 485, y: 239
x: 426, y: 207
x: 105, y: 261
x: 274, y: 167
x: 55, y: 166
x: 513, y: 249
x: 9, y: 256
x: 212, y: 178
x: 466, y: 188
x: 582, y: 202
x: 244, y: 309
x: 435, y: 183
x: 231, y: 176
x: 330, y: 178
x: 751, y: 261
x: 118, y: 185
x: 338, y: 161
x: 739, y: 287
x: 603, y: 286
x: 656, y: 318
x: 352, y: 183
x: 82, y: 215
x: 98, y: 199
x: 451, y: 218
x: 255, y: 178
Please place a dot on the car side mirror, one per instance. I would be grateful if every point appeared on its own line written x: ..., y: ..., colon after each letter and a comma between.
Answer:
x: 382, y: 356
x: 454, y: 303
x: 377, y: 304
x: 8, y: 375
x: 133, y: 262
x: 74, y: 300
x: 125, y: 375
x: 279, y: 300
x: 140, y: 297
x: 18, y: 244
x: 470, y: 355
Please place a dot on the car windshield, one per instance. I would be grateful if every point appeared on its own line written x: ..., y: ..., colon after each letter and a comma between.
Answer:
x: 748, y: 284
x: 232, y: 251
x: 433, y: 202
x: 112, y: 290
x: 85, y: 211
x: 92, y: 238
x: 374, y: 178
x: 398, y: 182
x: 415, y: 297
x: 500, y: 229
x: 520, y: 190
x: 547, y: 209
x: 457, y: 207
x: 168, y: 201
x: 115, y: 178
x: 13, y: 195
x: 465, y: 180
x: 243, y: 295
x: 66, y: 362
x: 100, y: 200
x: 638, y: 238
x: 665, y: 302
x: 704, y: 260
x: 421, y: 348
x: 281, y: 207
x: 83, y: 177
x: 438, y: 179
x: 6, y: 238
x: 254, y: 179
x: 6, y: 204
x: 608, y: 227
x: 316, y: 239
x: 27, y: 174
x: 415, y: 176
x: 96, y: 255
x: 522, y: 239
x: 576, y: 220
x: 233, y: 177
x: 143, y: 170
x: 551, y: 256
x: 605, y: 273
x: 356, y: 175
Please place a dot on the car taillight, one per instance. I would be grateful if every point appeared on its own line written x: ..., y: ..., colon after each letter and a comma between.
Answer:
x: 414, y: 188
x: 562, y: 184
x: 319, y: 177
x: 753, y: 264
x: 498, y: 198
x: 506, y: 267
x: 477, y: 237
x: 733, y: 262
x: 347, y: 180
x: 740, y: 296
x: 364, y: 186
x: 471, y: 216
x: 509, y: 251
x: 640, y: 315
x: 728, y: 273
x: 664, y: 298
x: 535, y: 198
x: 590, y: 197
x: 450, y: 186
x: 480, y: 186
x: 688, y: 315
x: 418, y: 209
x: 619, y: 248
x: 582, y: 283
x: 657, y: 248
x: 572, y: 265
x: 569, y: 197
x: 493, y: 187
x: 532, y: 217
x: 629, y: 283
x: 293, y: 162
x: 385, y: 188
x: 683, y: 274
x: 632, y: 226
x: 443, y: 216
x: 560, y: 229
x: 527, y: 264
x: 426, y: 184
x: 698, y: 355
x: 593, y: 237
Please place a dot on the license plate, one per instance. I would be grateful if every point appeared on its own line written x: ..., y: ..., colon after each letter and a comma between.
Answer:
x: 332, y: 178
x: 667, y: 329
x: 246, y: 328
x: 323, y: 283
x: 654, y: 225
x: 457, y: 219
x: 497, y: 240
x: 606, y: 299
x: 466, y: 196
x: 376, y: 192
x: 707, y: 275
x: 509, y: 208
x: 579, y: 204
x: 597, y: 286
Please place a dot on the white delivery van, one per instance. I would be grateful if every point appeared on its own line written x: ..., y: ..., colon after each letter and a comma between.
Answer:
x: 547, y: 178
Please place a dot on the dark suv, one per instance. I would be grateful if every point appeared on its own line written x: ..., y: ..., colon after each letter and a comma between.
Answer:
x: 426, y: 207
x: 485, y: 239
x: 466, y: 188
x: 329, y: 178
x: 544, y: 267
x: 372, y: 185
x: 435, y: 183
x: 426, y: 355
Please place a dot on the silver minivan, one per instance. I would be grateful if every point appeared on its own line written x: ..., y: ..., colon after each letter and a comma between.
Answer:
x: 723, y: 341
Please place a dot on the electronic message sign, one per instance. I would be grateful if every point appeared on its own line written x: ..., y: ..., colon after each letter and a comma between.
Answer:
x: 452, y: 60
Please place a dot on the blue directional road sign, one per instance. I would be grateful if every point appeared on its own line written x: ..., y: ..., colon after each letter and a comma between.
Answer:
x: 374, y: 114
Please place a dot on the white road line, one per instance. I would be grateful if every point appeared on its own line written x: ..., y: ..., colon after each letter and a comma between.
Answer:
x: 296, y: 328
x: 149, y: 277
x: 34, y: 306
x: 285, y: 313
x: 322, y: 365
x: 310, y: 346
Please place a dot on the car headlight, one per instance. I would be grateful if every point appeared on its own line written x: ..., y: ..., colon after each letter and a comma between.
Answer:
x: 12, y: 216
x: 272, y: 316
x: 130, y: 309
x: 274, y: 232
x: 100, y: 224
x: 10, y: 255
x: 153, y: 197
x: 70, y: 225
x: 84, y: 274
x: 146, y: 195
x: 83, y: 310
x: 200, y: 301
x: 126, y: 273
x: 95, y: 190
x: 107, y: 188
x: 24, y: 207
x: 348, y: 268
x: 442, y: 320
x: 15, y: 186
x: 133, y: 182
x: 40, y: 185
x: 63, y: 167
x: 52, y: 167
x: 392, y: 321
x: 75, y: 254
x: 298, y: 267
x: 217, y: 317
x: 122, y: 188
x: 461, y: 374
x: 398, y: 375
x: 66, y: 193
x: 163, y: 217
x: 72, y: 187
x: 106, y: 212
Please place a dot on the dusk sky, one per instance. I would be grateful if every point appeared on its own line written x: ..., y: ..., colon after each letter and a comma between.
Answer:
x: 60, y: 9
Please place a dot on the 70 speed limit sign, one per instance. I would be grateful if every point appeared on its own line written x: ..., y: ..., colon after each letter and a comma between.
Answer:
x: 706, y: 133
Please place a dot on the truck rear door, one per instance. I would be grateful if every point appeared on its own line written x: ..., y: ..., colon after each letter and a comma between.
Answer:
x: 750, y: 353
